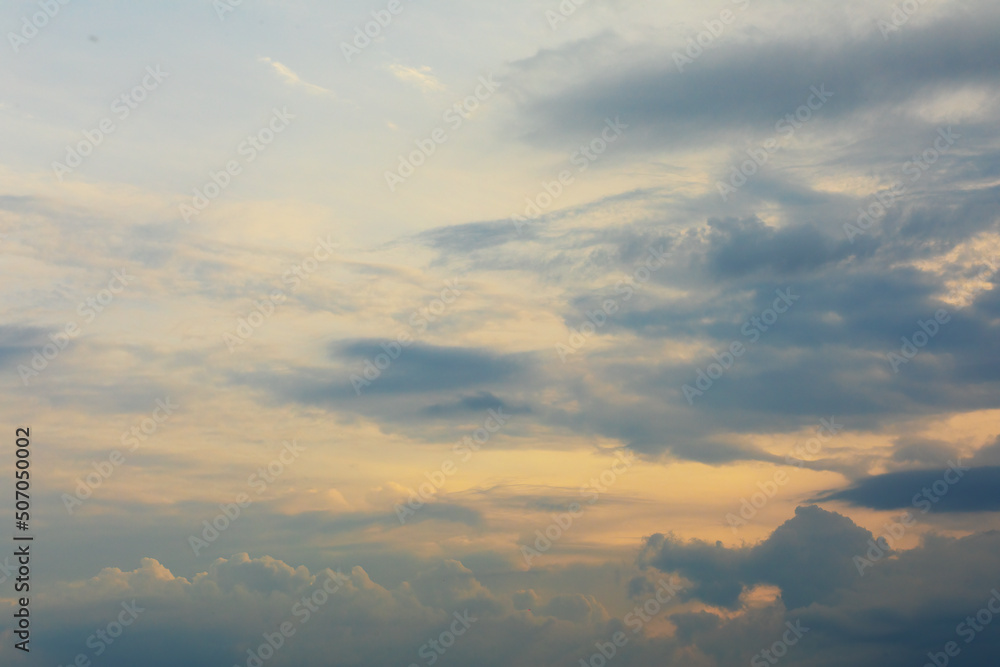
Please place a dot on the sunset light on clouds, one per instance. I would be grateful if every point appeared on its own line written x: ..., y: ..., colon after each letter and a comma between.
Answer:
x: 524, y: 334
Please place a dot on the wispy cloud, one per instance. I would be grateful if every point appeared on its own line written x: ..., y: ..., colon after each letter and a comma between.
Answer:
x: 422, y: 76
x: 291, y: 77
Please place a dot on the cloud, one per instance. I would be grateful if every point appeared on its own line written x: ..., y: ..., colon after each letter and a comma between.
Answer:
x: 808, y: 557
x: 294, y: 79
x: 738, y: 248
x: 903, y: 606
x: 422, y: 76
x: 952, y: 489
x: 477, y: 403
x: 17, y: 344
x: 225, y: 611
x: 741, y: 85
x: 497, y: 348
x: 423, y: 367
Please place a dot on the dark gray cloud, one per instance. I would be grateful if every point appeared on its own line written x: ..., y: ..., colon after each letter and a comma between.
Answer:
x: 808, y: 557
x: 951, y: 489
x: 475, y: 403
x: 900, y: 609
x: 738, y: 248
x: 422, y: 384
x: 740, y: 85
x: 428, y: 368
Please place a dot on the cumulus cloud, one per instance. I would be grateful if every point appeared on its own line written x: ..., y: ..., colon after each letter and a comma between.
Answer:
x: 913, y: 601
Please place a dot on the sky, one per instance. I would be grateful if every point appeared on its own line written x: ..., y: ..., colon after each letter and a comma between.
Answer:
x: 522, y: 334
